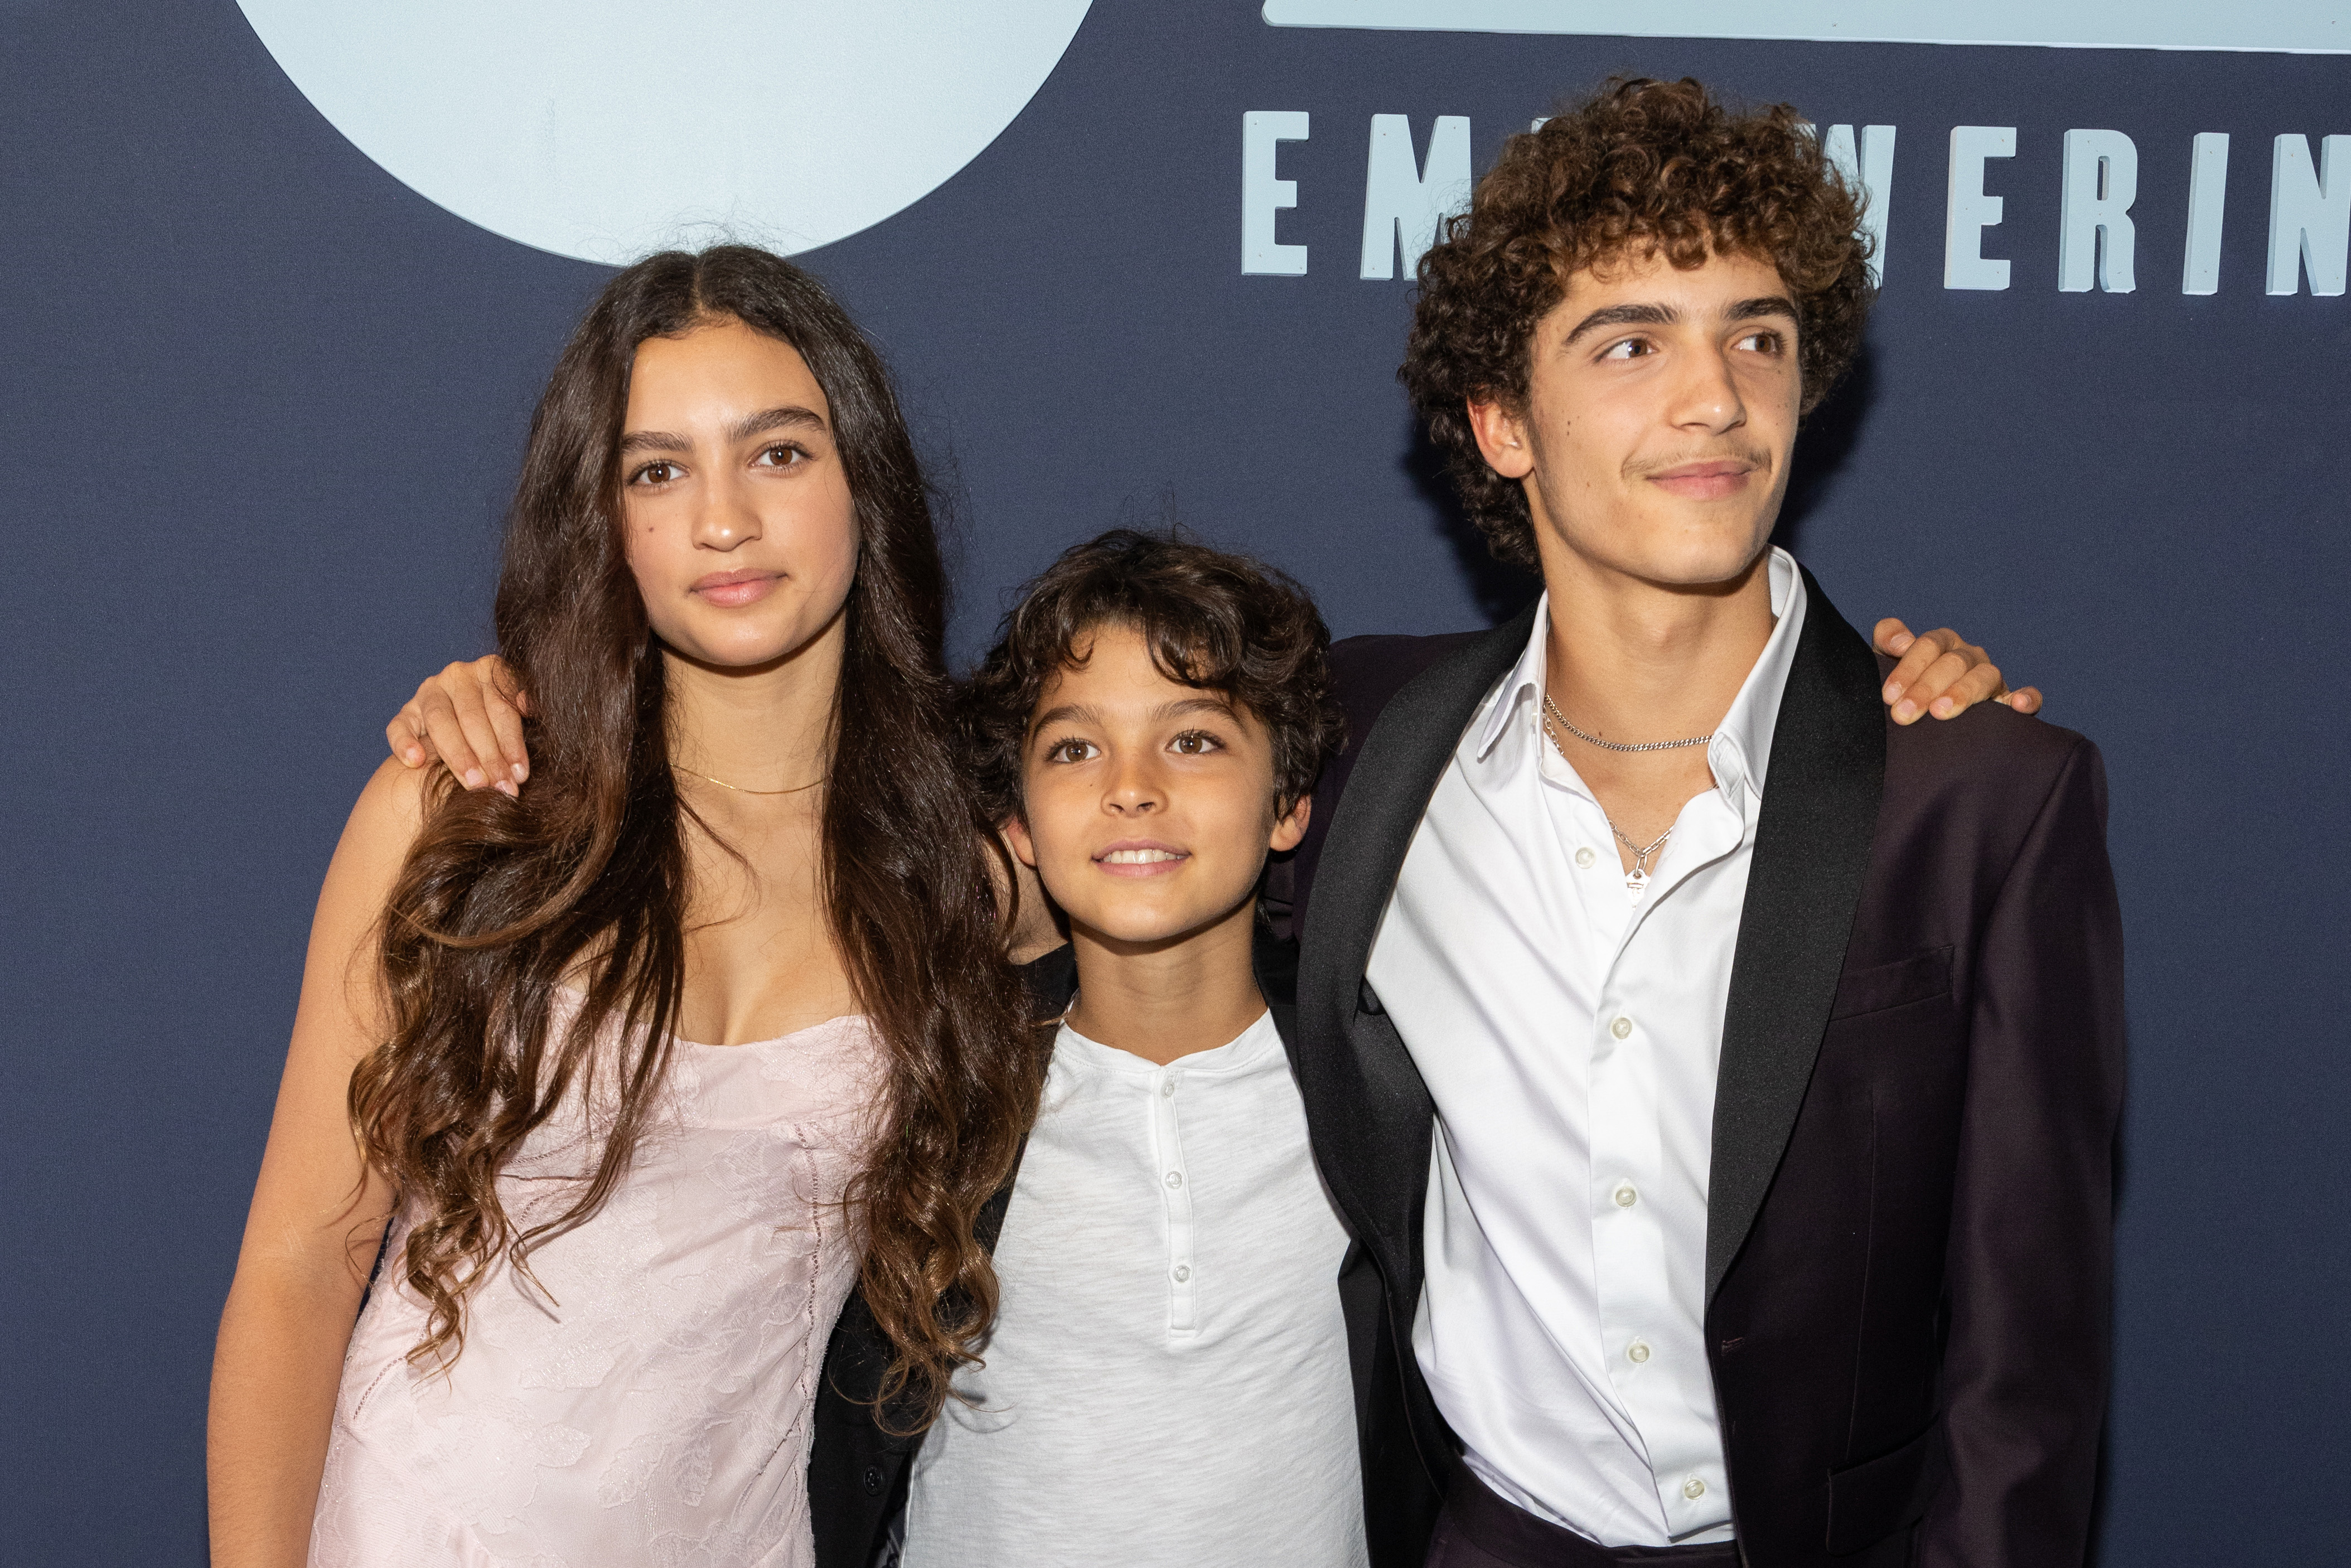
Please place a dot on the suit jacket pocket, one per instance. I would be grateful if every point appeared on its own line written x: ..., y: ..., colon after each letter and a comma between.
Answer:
x: 1922, y: 977
x: 1872, y: 1500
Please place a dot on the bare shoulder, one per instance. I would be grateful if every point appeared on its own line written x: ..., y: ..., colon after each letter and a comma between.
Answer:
x: 381, y: 830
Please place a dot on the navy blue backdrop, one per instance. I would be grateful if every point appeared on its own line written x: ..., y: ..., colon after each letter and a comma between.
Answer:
x: 266, y: 403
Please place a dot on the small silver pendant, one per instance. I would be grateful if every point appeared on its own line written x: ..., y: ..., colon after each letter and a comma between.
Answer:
x: 1637, y: 882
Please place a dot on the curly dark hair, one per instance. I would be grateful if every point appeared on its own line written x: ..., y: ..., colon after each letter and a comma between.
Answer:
x: 1212, y: 619
x: 1644, y: 167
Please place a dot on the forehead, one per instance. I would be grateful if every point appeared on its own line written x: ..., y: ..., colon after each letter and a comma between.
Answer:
x: 723, y: 369
x: 1119, y: 677
x: 1108, y: 661
x: 1637, y: 277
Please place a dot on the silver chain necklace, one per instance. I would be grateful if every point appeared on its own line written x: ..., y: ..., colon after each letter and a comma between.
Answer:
x: 1637, y: 882
x: 1551, y: 712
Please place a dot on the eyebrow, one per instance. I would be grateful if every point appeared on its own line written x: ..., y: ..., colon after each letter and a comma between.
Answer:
x: 1069, y: 713
x: 1762, y: 305
x: 788, y: 416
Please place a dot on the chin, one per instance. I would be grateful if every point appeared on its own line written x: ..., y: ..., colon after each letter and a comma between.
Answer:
x: 1138, y: 927
x: 734, y: 648
x: 1708, y: 557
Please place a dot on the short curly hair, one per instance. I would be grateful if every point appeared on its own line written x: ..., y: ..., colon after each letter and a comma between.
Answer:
x: 1212, y: 619
x: 1642, y: 167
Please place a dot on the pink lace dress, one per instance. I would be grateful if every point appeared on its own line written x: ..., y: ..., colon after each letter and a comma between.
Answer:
x: 648, y: 1400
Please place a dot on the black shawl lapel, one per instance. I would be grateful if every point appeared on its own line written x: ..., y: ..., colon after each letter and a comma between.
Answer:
x: 1811, y: 850
x: 1363, y: 1081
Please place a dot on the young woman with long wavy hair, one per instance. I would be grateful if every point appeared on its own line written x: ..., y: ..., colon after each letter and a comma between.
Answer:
x: 646, y: 1066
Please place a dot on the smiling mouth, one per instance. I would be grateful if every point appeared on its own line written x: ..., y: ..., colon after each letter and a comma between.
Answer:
x: 1139, y: 857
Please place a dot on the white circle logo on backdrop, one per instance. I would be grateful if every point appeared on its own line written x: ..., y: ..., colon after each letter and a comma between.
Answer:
x: 605, y: 128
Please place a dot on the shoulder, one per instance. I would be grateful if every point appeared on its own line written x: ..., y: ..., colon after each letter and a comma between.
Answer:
x: 1992, y: 765
x: 382, y: 828
x: 1989, y: 738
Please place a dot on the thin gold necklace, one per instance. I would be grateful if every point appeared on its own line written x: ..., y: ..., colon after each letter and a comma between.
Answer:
x: 722, y: 783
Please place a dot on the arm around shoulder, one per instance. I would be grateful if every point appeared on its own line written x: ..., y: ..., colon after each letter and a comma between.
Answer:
x: 2029, y: 1272
x: 317, y: 1216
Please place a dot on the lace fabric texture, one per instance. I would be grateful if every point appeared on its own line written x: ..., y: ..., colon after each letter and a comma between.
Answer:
x: 646, y: 1398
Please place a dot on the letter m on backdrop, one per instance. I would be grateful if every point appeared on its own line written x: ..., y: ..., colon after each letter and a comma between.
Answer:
x: 1403, y: 198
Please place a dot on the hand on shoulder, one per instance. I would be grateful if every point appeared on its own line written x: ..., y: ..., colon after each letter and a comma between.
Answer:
x: 469, y: 718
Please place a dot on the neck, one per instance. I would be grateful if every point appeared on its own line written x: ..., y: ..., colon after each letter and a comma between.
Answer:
x: 1160, y: 1000
x: 759, y: 728
x: 1636, y: 661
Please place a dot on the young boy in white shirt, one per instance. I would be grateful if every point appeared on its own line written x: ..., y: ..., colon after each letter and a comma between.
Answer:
x: 1168, y: 1378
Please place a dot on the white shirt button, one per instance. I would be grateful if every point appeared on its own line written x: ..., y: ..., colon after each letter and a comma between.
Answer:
x: 1183, y: 1272
x: 1621, y: 1028
x: 1175, y: 1178
x: 1584, y: 857
x: 1624, y: 1195
x: 1693, y: 1489
x: 1637, y: 1352
x: 1168, y: 1089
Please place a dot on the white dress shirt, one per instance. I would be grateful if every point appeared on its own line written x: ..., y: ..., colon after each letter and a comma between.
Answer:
x: 1569, y: 1033
x: 1167, y: 1383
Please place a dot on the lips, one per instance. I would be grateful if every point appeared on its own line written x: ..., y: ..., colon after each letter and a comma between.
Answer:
x: 1705, y: 481
x: 732, y: 590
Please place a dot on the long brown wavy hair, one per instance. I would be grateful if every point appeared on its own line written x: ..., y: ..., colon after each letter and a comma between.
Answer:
x: 584, y: 878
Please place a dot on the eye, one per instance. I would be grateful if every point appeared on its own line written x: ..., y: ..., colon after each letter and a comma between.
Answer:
x: 1764, y: 341
x: 1072, y: 750
x: 782, y: 455
x: 1629, y: 349
x: 660, y: 471
x: 1195, y: 743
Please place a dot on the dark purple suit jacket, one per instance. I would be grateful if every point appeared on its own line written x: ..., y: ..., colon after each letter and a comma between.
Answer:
x: 1910, y: 1215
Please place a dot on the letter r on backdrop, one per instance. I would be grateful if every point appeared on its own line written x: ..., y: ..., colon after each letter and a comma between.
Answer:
x: 2094, y: 236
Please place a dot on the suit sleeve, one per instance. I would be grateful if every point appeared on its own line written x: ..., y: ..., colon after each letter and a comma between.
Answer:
x: 2029, y: 1271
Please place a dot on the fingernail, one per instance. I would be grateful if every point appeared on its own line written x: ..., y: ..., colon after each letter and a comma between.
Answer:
x: 414, y: 755
x: 1944, y: 707
x: 1894, y: 690
x: 519, y: 772
x: 506, y: 789
x: 1904, y: 712
x: 474, y: 779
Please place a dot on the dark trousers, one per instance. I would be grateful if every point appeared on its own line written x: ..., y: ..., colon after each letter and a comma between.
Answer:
x: 1480, y: 1530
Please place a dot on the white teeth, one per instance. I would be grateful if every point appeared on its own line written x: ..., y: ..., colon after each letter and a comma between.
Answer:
x: 1139, y: 857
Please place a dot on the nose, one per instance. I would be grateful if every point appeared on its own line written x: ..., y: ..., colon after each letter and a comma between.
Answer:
x: 1133, y: 788
x: 725, y: 519
x: 1707, y: 397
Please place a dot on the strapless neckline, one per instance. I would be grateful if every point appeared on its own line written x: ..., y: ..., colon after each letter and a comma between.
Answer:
x: 574, y: 997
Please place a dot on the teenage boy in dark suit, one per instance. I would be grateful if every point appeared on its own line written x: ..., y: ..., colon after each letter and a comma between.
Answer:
x: 1723, y: 1078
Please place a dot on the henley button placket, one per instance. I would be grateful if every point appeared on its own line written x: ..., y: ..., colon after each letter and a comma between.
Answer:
x: 1176, y: 1203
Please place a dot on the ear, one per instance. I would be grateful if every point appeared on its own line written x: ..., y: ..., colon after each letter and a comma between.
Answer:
x: 1016, y: 834
x: 1501, y: 439
x: 1290, y: 827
